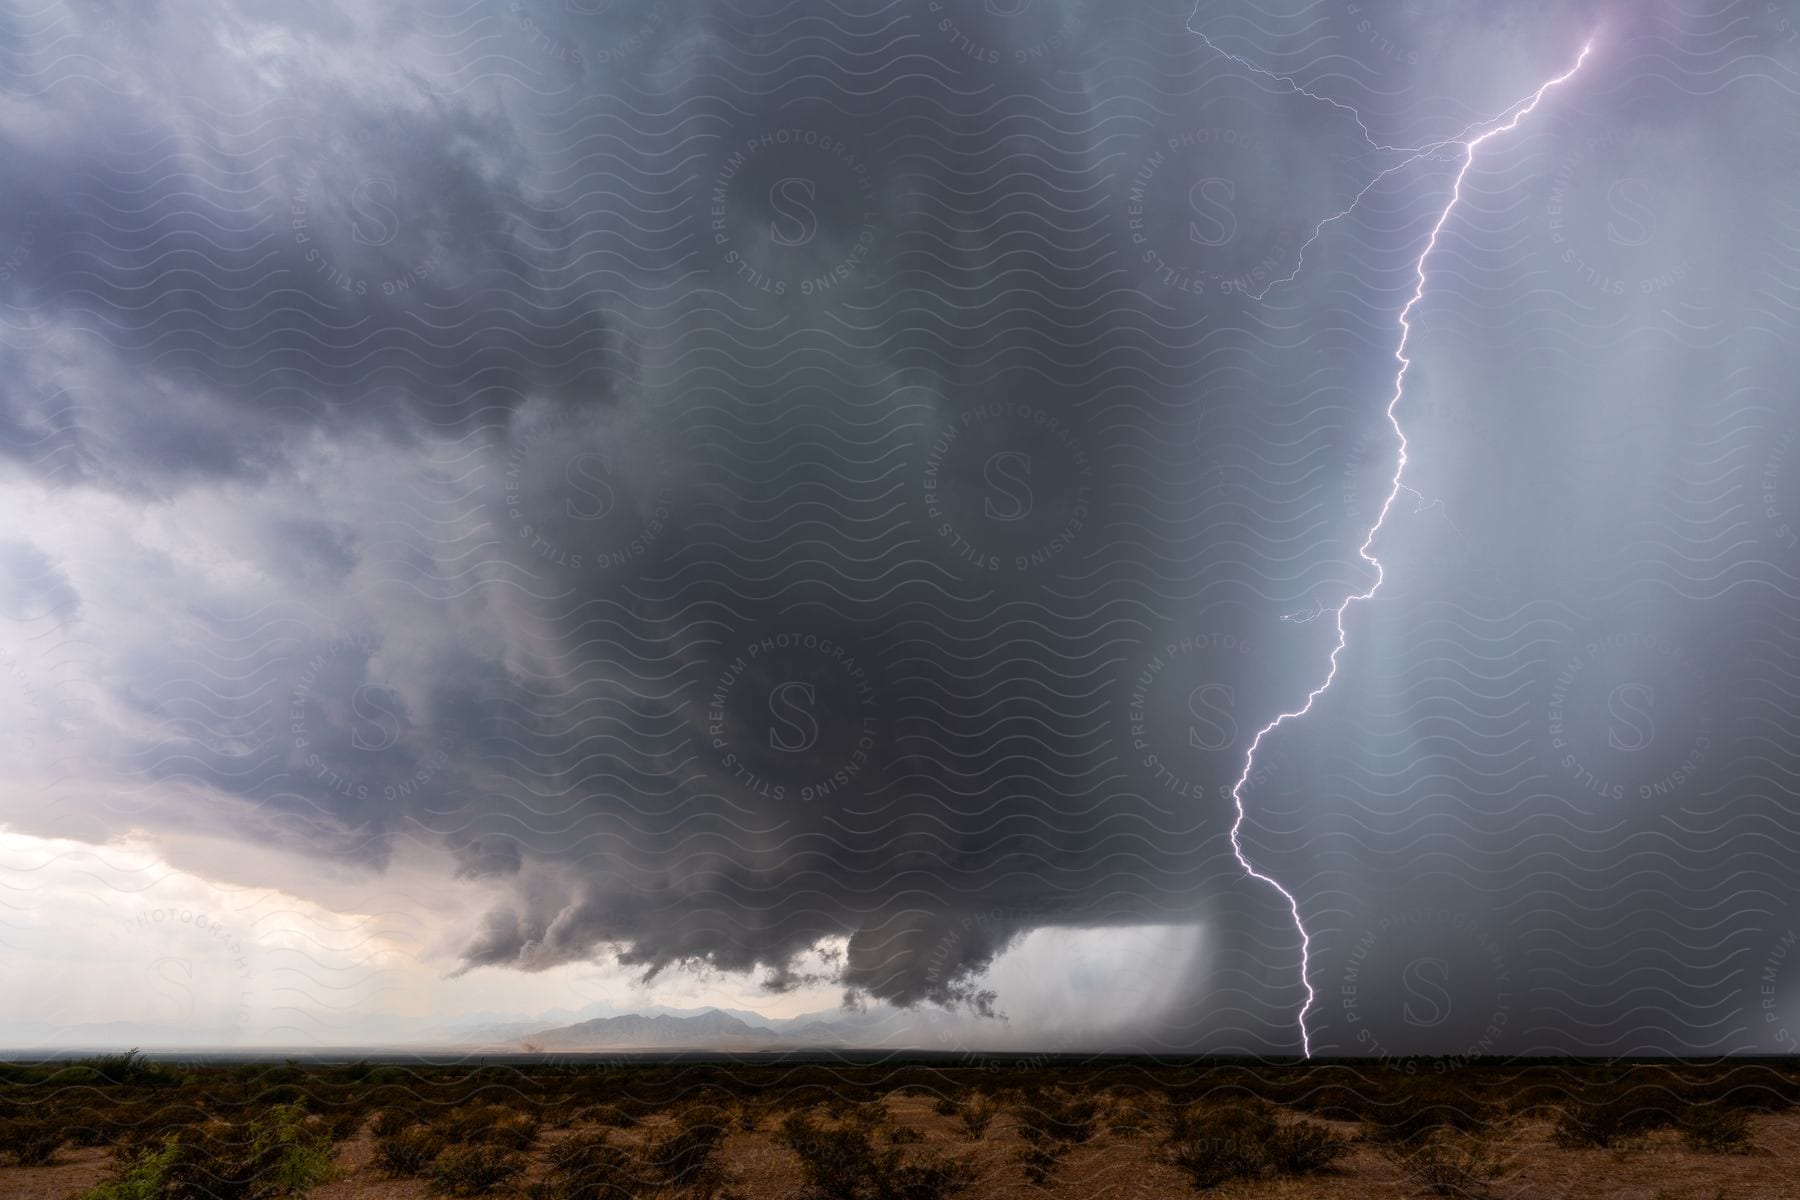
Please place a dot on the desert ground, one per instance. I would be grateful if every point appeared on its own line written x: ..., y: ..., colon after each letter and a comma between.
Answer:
x: 122, y: 1128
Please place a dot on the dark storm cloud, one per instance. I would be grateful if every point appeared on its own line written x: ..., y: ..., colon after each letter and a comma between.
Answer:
x: 748, y: 478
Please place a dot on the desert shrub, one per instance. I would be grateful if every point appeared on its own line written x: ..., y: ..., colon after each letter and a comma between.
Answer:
x: 748, y: 1117
x: 605, y: 1114
x: 282, y: 1094
x: 336, y: 1126
x: 515, y: 1132
x: 581, y: 1153
x: 1052, y: 1123
x: 586, y: 1166
x: 1465, y: 1167
x: 685, y: 1153
x: 475, y: 1170
x: 903, y: 1135
x: 488, y: 1125
x: 837, y: 1163
x: 1217, y: 1144
x: 411, y: 1151
x: 1041, y: 1160
x: 1214, y: 1161
x: 133, y: 1069
x: 145, y: 1124
x: 1717, y: 1130
x: 560, y: 1114
x: 931, y: 1178
x: 88, y: 1127
x: 1304, y: 1148
x: 390, y: 1121
x: 1420, y: 1109
x: 1131, y: 1119
x: 843, y: 1164
x: 976, y: 1115
x: 945, y: 1106
x: 1604, y: 1119
x: 137, y: 1174
x: 872, y: 1114
x: 275, y: 1156
x: 32, y: 1141
x: 1057, y: 1117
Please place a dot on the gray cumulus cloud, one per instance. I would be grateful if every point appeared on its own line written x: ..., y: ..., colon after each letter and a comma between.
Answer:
x: 823, y: 490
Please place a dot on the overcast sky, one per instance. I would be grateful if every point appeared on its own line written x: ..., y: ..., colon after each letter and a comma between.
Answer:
x: 528, y: 504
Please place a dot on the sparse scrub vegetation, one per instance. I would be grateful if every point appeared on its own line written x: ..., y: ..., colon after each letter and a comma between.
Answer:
x: 587, y: 1166
x: 1461, y: 1166
x: 271, y: 1158
x: 1711, y: 1129
x: 31, y: 1141
x: 475, y: 1170
x: 842, y: 1163
x: 685, y: 1154
x: 410, y: 1151
x: 897, y: 1130
x: 1244, y: 1139
x: 975, y: 1115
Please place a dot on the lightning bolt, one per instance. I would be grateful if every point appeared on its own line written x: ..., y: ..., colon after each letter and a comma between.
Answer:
x: 1491, y: 129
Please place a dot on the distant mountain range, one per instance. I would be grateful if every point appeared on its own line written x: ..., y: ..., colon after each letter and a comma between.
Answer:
x: 598, y: 1026
x: 709, y: 1029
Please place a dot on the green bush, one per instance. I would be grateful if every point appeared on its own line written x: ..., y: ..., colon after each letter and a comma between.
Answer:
x: 475, y: 1170
x: 273, y: 1157
x: 137, y: 1175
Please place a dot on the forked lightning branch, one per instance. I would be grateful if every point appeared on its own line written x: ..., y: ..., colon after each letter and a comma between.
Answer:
x: 1506, y: 122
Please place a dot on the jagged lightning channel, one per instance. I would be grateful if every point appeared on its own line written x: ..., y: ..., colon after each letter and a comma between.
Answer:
x: 1517, y: 113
